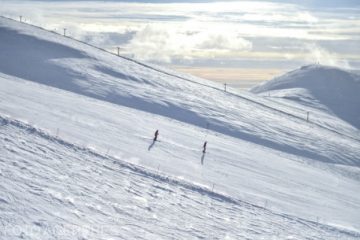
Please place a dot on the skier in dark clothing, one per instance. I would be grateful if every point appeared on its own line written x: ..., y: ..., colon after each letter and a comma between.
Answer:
x: 204, y: 146
x: 156, y: 135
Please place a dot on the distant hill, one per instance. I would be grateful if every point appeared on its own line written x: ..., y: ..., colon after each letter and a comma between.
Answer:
x: 323, y: 87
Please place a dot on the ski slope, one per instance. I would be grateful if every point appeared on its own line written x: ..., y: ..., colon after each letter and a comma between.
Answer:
x: 56, y: 198
x: 79, y: 68
x: 79, y: 121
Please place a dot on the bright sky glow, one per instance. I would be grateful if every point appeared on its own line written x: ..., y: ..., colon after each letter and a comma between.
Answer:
x: 202, y: 37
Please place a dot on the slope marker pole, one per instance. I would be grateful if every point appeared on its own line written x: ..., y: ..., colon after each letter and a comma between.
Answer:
x: 64, y: 31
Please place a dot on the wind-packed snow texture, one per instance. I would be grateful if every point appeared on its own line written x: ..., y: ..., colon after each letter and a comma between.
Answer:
x: 76, y: 152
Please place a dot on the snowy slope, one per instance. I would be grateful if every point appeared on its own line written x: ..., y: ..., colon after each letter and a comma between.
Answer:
x: 260, y: 153
x: 328, y: 88
x: 72, y: 66
x: 56, y: 199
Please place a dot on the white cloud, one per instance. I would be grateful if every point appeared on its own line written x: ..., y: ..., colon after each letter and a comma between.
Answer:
x: 280, y: 17
x: 317, y: 54
x: 161, y: 43
x: 228, y: 41
x: 163, y: 32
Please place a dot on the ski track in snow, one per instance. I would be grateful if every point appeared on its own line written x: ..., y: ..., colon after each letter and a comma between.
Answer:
x: 58, y: 190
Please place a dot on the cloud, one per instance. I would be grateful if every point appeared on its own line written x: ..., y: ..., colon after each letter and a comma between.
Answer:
x: 322, y: 56
x: 280, y: 17
x: 192, y: 32
x: 152, y: 44
x: 229, y: 41
x: 162, y: 43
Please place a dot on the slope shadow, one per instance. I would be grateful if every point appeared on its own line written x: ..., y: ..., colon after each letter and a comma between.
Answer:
x: 151, y: 145
x: 341, y: 95
x: 202, y: 158
x: 30, y: 58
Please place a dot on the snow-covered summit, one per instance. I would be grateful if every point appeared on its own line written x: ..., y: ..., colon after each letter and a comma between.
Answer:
x: 324, y: 87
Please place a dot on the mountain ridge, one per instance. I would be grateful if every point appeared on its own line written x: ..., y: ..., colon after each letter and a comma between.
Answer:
x: 324, y: 87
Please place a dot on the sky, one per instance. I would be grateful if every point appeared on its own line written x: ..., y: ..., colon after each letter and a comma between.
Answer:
x: 238, y: 42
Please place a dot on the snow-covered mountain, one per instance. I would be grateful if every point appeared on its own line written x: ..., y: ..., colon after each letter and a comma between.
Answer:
x: 77, y: 154
x: 328, y: 88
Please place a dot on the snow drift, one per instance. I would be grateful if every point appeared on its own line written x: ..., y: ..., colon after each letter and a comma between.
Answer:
x: 329, y: 88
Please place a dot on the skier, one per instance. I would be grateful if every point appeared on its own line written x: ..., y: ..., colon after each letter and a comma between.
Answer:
x: 156, y: 135
x: 204, y: 146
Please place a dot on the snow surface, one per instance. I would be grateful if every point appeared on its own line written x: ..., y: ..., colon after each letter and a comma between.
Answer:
x: 120, y: 200
x: 77, y: 152
x: 329, y: 88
